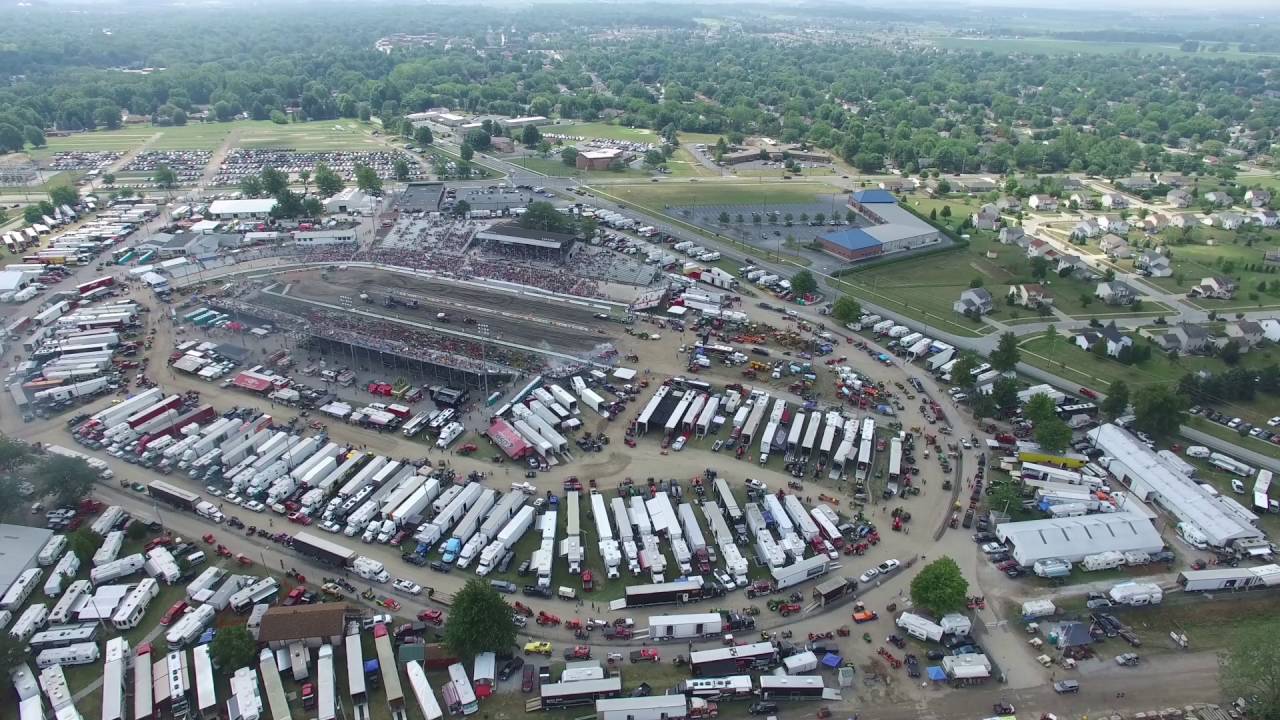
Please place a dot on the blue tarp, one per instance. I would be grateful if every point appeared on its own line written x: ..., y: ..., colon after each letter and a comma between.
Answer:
x: 832, y: 660
x: 937, y: 674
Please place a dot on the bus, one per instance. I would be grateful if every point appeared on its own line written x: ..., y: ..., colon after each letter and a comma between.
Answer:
x: 895, y: 465
x: 325, y: 700
x: 719, y: 689
x: 462, y: 691
x: 583, y: 692
x: 427, y: 702
x: 272, y: 686
x: 416, y: 424
x: 796, y: 687
x: 866, y: 443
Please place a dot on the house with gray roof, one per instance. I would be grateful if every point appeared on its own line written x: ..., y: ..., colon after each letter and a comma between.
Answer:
x: 1115, y: 292
x: 974, y: 300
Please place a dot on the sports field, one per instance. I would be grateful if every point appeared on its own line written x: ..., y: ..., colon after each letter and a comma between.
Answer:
x: 660, y: 196
x: 322, y: 135
x: 619, y: 132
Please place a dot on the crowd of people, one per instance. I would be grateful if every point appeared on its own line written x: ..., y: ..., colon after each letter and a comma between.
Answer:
x: 426, y: 233
x: 242, y: 162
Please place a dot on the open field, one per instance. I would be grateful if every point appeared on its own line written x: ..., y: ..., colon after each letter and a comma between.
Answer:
x: 59, y: 179
x: 554, y: 167
x: 1055, y: 46
x: 658, y: 197
x: 324, y: 135
x: 619, y: 132
x: 1193, y: 262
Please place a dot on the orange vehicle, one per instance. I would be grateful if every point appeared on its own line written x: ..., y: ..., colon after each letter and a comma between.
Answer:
x: 863, y: 616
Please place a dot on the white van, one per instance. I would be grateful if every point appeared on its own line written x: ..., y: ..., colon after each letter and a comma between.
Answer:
x: 1237, y: 487
x: 567, y: 593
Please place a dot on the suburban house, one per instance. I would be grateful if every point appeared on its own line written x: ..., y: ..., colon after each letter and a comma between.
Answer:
x: 1137, y: 182
x: 1178, y: 198
x: 1174, y: 180
x: 1114, y: 246
x: 974, y: 300
x: 1245, y: 332
x: 1114, y: 224
x: 1038, y: 247
x: 1114, y: 201
x: 987, y: 217
x: 1257, y: 198
x: 1183, y: 221
x: 1030, y: 295
x: 1266, y: 218
x: 1013, y: 236
x: 1155, y: 222
x: 1228, y: 220
x: 1043, y: 203
x: 1219, y: 198
x: 1083, y: 201
x: 1067, y: 264
x: 1070, y: 182
x: 1086, y: 229
x: 898, y: 184
x: 974, y: 185
x: 1110, y: 334
x: 1154, y: 263
x: 1115, y: 293
x: 1216, y: 288
x: 1008, y: 204
x: 1184, y: 338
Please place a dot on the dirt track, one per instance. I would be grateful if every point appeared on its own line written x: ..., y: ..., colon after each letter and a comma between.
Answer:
x: 518, y: 319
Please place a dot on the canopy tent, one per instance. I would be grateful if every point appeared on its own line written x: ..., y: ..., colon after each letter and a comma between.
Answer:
x: 832, y: 660
x: 937, y: 674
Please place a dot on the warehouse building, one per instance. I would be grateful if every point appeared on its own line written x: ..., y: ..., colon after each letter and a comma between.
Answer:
x: 1072, y: 538
x: 1199, y: 513
x: 20, y: 546
x: 252, y: 209
x: 891, y: 229
x: 601, y: 159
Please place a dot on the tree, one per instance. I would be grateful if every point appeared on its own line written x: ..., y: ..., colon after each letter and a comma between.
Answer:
x: 304, y: 176
x: 1158, y: 410
x: 1039, y: 408
x: 466, y: 152
x: 479, y: 621
x: 1053, y: 435
x: 401, y: 170
x: 165, y: 177
x: 543, y: 216
x: 84, y: 543
x: 328, y: 182
x: 312, y: 207
x: 1039, y: 267
x: 1229, y: 353
x: 530, y: 136
x: 962, y: 371
x: 288, y: 204
x: 976, y: 282
x: 136, y: 531
x: 477, y: 138
x: 64, y: 195
x: 724, y: 218
x: 846, y: 309
x: 803, y: 282
x: 11, y: 139
x: 940, y: 587
x: 1117, y: 400
x: 109, y: 179
x: 1250, y: 668
x: 982, y: 405
x: 251, y: 185
x: 569, y: 156
x: 1004, y: 393
x: 273, y: 181
x: 1006, y: 355
x: 1099, y: 349
x: 233, y: 647
x: 66, y: 478
x: 422, y: 136
x: 32, y: 214
x: 461, y: 208
x: 12, y: 654
x: 34, y: 136
x: 653, y: 158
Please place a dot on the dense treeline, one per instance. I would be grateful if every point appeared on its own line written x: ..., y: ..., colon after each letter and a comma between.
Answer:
x: 960, y: 111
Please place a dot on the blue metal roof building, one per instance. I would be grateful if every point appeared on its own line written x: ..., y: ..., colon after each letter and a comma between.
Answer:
x: 850, y: 244
x: 874, y: 196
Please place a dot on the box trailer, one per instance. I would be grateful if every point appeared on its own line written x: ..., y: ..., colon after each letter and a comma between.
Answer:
x: 919, y: 627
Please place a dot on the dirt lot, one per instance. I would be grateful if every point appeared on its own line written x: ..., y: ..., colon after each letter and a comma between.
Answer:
x: 519, y: 319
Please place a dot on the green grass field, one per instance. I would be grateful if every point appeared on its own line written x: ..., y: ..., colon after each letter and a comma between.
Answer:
x: 1193, y: 262
x: 1054, y: 46
x: 554, y: 167
x: 658, y: 196
x: 612, y: 131
x: 323, y: 135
